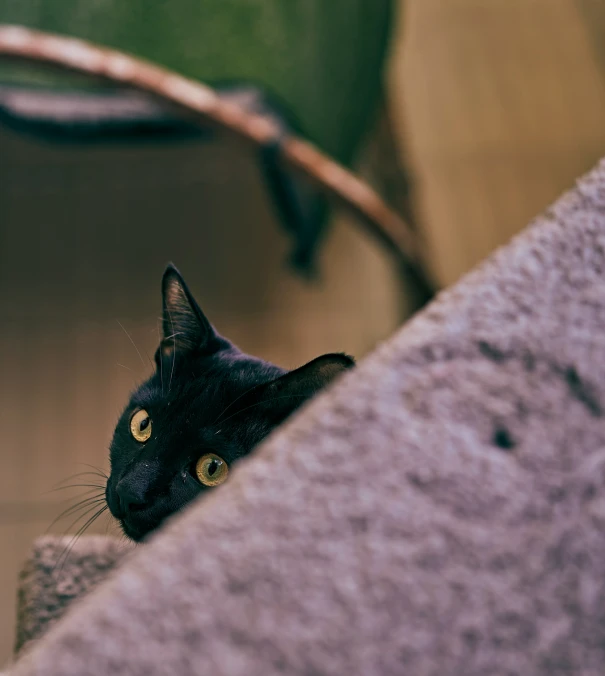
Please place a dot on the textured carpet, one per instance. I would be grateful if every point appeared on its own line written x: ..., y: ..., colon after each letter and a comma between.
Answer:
x: 58, y: 572
x: 441, y: 510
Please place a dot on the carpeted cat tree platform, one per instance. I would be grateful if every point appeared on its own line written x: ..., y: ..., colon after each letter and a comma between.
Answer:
x: 441, y: 510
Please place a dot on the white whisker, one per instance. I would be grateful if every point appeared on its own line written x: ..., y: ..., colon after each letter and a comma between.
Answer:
x: 132, y: 341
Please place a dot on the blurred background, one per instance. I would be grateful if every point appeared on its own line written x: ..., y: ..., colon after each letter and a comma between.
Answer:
x: 470, y: 117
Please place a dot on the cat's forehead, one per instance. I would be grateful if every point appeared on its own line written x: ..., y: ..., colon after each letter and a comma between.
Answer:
x: 156, y: 395
x: 204, y: 391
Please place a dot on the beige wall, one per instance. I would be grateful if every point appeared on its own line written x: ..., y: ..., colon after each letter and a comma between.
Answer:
x: 504, y: 104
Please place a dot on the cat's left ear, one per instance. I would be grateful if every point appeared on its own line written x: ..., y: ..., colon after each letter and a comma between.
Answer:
x: 185, y: 328
x: 284, y: 395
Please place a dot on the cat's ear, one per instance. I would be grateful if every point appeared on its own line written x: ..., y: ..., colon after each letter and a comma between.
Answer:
x: 284, y: 395
x: 184, y: 326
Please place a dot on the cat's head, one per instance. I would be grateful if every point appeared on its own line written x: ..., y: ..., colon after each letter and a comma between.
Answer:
x: 206, y: 406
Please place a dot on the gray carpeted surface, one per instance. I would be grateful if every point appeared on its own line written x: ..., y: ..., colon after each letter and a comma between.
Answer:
x: 440, y: 511
x: 58, y: 572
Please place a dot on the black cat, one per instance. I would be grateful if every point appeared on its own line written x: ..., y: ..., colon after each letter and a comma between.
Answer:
x: 206, y: 405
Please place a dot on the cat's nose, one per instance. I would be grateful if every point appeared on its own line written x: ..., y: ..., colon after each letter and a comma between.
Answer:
x: 132, y: 496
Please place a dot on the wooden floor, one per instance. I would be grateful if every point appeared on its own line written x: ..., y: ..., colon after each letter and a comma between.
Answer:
x: 501, y: 104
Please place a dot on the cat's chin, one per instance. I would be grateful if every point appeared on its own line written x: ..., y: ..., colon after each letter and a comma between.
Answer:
x: 136, y: 533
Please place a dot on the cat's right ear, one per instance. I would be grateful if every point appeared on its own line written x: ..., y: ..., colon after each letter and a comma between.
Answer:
x: 185, y: 328
x: 282, y: 396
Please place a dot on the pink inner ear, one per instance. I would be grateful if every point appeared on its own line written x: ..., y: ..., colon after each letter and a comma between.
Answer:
x: 167, y: 347
x: 328, y: 371
x: 176, y: 301
x: 178, y: 317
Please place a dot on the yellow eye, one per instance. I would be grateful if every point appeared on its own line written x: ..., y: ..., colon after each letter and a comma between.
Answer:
x: 211, y: 470
x: 140, y: 425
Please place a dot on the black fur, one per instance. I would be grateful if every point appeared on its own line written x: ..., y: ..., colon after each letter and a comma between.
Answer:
x: 205, y: 396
